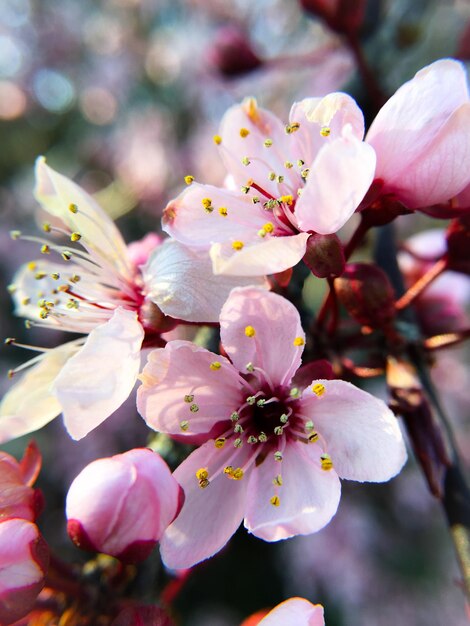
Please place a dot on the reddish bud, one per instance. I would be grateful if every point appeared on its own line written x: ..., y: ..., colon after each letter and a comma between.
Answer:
x: 324, y: 256
x: 342, y: 16
x: 367, y: 295
x: 24, y: 558
x: 458, y: 244
x: 17, y: 497
x: 122, y: 505
x: 231, y: 53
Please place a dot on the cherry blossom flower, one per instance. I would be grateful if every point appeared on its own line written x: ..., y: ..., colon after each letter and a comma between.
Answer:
x: 24, y: 559
x: 296, y: 611
x: 271, y: 453
x: 17, y: 496
x: 97, y: 291
x: 287, y: 181
x: 421, y: 137
x: 122, y: 505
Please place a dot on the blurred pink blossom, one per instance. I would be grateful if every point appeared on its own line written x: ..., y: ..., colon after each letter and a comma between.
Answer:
x: 24, y: 559
x: 122, y: 505
x: 271, y: 452
x: 296, y: 611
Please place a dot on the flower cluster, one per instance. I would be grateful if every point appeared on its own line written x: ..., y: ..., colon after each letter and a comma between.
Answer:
x: 273, y: 416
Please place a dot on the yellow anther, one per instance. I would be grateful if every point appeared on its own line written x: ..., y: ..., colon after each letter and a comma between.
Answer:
x: 272, y: 176
x: 252, y: 439
x: 75, y: 278
x: 43, y: 314
x: 63, y: 288
x: 207, y: 204
x: 246, y: 160
x: 237, y: 245
x: 318, y: 389
x: 262, y: 232
x: 313, y: 437
x: 299, y: 341
x: 237, y: 443
x: 278, y: 455
x: 32, y: 266
x: 72, y: 304
x: 325, y: 131
x: 228, y: 470
x: 288, y: 165
x: 25, y: 301
x: 66, y: 255
x: 295, y: 392
x: 280, y: 178
x: 40, y: 275
x: 250, y: 331
x: 223, y: 211
x: 263, y: 437
x: 275, y: 500
x: 268, y: 143
x: 194, y: 408
x: 73, y: 208
x: 291, y: 128
x: 189, y: 398
x: 245, y: 188
x: 45, y: 249
x: 184, y: 425
x: 15, y: 234
x: 215, y: 365
x: 202, y: 473
x: 287, y: 199
x: 244, y: 132
x: 217, y: 139
x: 237, y: 474
x: 219, y: 442
x: 251, y: 109
x: 204, y: 483
x: 46, y: 227
x: 309, y: 426
x: 326, y: 462
x: 277, y: 480
x: 268, y: 227
x: 189, y: 179
x: 304, y: 173
x: 12, y: 288
x: 300, y: 162
x: 75, y: 237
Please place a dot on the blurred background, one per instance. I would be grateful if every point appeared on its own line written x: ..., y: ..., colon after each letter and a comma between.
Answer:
x: 124, y: 96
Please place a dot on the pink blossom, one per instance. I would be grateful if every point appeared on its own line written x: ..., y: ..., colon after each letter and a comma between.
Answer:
x: 98, y: 291
x: 421, y: 137
x: 296, y: 611
x: 122, y: 505
x: 17, y: 496
x: 286, y: 181
x: 24, y: 560
x: 271, y: 453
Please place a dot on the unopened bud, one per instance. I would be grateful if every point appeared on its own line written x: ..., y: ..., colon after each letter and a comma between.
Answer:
x: 324, y: 256
x: 367, y: 295
x: 231, y: 53
x: 458, y: 244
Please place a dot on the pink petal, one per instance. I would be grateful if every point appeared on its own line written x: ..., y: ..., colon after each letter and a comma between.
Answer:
x: 295, y: 611
x: 443, y: 170
x: 182, y: 394
x: 209, y: 516
x: 362, y: 435
x: 269, y: 256
x: 309, y: 496
x: 97, y: 380
x: 30, y: 404
x: 413, y: 116
x: 261, y: 125
x: 187, y: 220
x: 338, y: 180
x: 56, y: 193
x: 334, y: 112
x: 181, y: 282
x: 18, y: 568
x: 276, y: 325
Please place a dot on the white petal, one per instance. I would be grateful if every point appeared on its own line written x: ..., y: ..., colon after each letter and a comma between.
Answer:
x: 56, y: 193
x: 99, y: 378
x: 30, y: 404
x: 181, y: 282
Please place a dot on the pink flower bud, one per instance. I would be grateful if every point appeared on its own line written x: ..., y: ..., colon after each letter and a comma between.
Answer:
x: 122, y: 505
x: 324, y: 255
x: 24, y: 558
x: 17, y: 497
